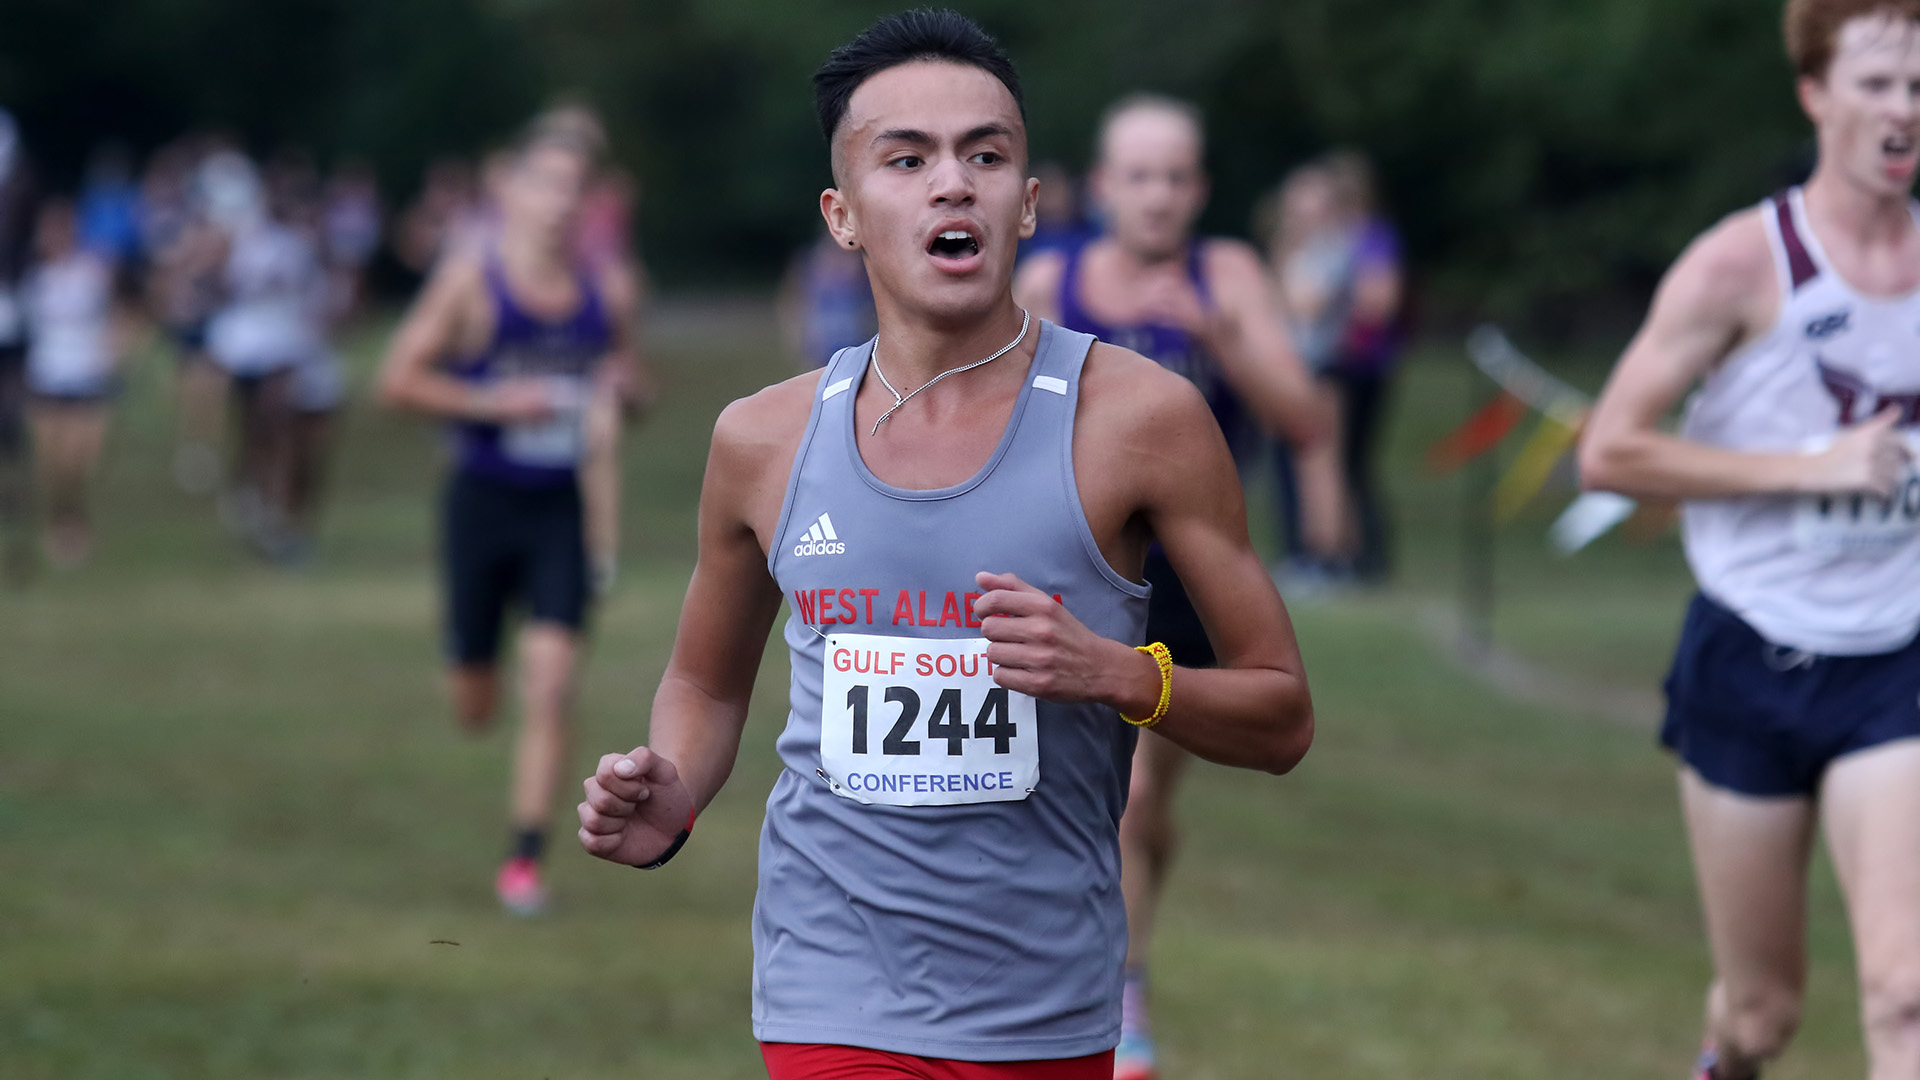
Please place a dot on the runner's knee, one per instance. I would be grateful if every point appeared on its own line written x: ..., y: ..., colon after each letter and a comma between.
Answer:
x: 1890, y: 1002
x: 548, y: 655
x: 475, y: 691
x: 1760, y: 1023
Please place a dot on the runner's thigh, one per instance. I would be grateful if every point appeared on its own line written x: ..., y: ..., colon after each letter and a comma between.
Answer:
x: 1871, y: 803
x: 1750, y: 858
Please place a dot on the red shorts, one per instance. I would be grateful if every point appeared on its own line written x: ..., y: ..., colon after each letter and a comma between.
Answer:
x: 820, y: 1061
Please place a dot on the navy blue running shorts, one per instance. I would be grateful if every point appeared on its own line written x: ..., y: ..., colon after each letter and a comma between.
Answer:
x: 1765, y: 720
x: 1171, y: 618
x: 507, y: 545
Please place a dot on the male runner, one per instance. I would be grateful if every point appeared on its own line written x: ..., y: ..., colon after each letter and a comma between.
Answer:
x: 1199, y: 308
x: 512, y: 342
x: 1794, y: 689
x: 939, y: 870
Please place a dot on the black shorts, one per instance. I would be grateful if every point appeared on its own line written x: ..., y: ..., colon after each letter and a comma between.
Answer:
x: 507, y: 545
x: 1765, y: 720
x: 1171, y: 619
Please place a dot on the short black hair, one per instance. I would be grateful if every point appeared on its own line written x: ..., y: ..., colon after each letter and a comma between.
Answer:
x: 920, y: 34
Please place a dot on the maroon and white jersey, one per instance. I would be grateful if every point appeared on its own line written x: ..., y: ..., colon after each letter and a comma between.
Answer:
x: 1831, y: 574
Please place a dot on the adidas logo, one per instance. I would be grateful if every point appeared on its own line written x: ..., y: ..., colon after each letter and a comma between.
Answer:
x: 820, y: 540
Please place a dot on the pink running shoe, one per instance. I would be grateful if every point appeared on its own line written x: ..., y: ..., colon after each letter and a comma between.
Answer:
x: 518, y: 887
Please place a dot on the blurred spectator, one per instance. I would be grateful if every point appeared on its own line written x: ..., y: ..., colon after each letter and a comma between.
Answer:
x: 269, y: 326
x: 351, y: 223
x: 110, y: 207
x: 185, y: 256
x: 1062, y: 225
x: 1336, y: 270
x: 1307, y: 249
x: 446, y: 207
x: 17, y: 212
x: 825, y: 302
x: 68, y: 301
x: 1369, y: 349
x: 1312, y: 250
x: 300, y: 205
x: 603, y: 233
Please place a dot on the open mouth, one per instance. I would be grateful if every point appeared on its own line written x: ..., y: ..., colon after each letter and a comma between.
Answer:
x: 954, y: 244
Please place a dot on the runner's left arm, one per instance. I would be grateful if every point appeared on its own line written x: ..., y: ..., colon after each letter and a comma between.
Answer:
x: 1161, y: 445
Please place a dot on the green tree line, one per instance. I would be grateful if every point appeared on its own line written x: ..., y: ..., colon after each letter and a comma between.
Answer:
x: 1540, y: 158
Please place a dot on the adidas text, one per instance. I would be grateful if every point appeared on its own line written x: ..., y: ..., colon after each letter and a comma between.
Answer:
x: 820, y: 539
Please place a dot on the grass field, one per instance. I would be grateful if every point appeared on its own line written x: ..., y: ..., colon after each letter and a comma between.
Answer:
x: 239, y: 837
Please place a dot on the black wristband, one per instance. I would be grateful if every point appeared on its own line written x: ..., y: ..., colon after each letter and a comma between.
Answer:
x: 672, y: 850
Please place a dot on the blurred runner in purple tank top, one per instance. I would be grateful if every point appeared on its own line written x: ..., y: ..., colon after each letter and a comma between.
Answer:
x: 513, y: 343
x: 1198, y: 308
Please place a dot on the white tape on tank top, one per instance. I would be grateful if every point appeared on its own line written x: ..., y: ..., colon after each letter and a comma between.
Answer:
x: 835, y: 389
x: 1048, y: 382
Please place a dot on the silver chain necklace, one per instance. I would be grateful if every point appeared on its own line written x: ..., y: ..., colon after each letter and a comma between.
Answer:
x: 1025, y: 318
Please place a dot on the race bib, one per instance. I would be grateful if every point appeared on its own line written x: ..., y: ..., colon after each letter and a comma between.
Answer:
x: 918, y: 722
x: 558, y: 441
x: 1859, y: 524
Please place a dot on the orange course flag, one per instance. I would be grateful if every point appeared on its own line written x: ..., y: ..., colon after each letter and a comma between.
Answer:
x: 1482, y: 432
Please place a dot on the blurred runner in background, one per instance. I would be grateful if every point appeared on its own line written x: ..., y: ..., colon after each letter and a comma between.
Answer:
x: 351, y: 226
x: 68, y: 300
x: 330, y: 221
x: 825, y: 302
x: 17, y: 213
x: 266, y: 329
x: 515, y: 343
x: 186, y: 252
x: 1198, y: 307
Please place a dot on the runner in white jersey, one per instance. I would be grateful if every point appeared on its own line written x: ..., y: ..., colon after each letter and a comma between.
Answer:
x: 269, y: 326
x: 68, y: 301
x: 939, y: 869
x: 1794, y: 699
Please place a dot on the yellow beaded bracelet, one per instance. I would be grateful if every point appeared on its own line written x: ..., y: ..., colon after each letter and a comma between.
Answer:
x: 1165, y: 661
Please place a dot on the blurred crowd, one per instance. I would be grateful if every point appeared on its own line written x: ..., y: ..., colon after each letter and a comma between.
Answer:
x: 246, y: 269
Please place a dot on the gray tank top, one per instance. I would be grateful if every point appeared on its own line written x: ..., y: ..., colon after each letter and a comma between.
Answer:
x: 940, y: 864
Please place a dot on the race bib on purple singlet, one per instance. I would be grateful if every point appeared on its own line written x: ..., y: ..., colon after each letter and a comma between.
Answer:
x: 918, y: 722
x: 558, y: 441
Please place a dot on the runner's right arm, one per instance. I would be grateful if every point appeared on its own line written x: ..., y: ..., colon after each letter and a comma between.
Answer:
x: 437, y: 326
x: 1720, y: 296
x: 636, y: 803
